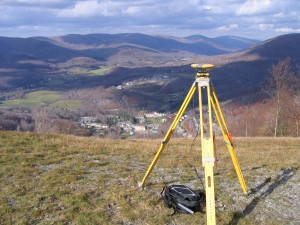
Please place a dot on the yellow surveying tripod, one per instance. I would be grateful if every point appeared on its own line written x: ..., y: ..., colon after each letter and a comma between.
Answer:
x: 203, y: 82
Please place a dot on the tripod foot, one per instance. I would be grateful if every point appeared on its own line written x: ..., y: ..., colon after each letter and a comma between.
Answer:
x: 140, y: 185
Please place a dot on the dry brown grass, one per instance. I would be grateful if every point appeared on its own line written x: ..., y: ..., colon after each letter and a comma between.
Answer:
x: 57, y: 179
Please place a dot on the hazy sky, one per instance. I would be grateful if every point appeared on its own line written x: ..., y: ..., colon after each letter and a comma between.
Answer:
x: 258, y: 19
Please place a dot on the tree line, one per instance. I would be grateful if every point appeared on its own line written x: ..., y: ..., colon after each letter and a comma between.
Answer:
x: 279, y: 113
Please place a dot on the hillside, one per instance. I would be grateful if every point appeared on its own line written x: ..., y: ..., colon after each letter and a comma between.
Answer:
x: 249, y: 69
x: 118, y: 96
x: 16, y: 51
x: 164, y: 44
x: 68, y: 62
x: 231, y: 43
x: 22, y: 52
x: 237, y: 76
x: 279, y: 47
x: 66, y: 179
x: 40, y: 58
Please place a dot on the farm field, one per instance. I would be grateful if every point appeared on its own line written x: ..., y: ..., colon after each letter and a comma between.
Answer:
x: 59, y: 179
x: 66, y: 104
x: 99, y: 72
x: 34, y: 99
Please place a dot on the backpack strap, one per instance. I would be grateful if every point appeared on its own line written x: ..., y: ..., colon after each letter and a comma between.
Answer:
x: 166, y: 196
x: 174, y: 196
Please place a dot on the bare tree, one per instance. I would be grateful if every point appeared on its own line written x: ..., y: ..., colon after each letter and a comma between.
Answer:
x: 42, y: 121
x: 246, y: 120
x: 297, y: 115
x: 277, y: 85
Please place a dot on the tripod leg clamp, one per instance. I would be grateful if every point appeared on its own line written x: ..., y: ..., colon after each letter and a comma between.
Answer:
x: 208, y: 159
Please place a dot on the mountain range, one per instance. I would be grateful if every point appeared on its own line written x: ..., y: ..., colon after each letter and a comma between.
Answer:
x: 242, y: 65
x: 195, y: 44
x: 42, y: 51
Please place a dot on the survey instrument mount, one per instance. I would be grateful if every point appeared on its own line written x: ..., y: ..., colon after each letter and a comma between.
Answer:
x: 203, y: 84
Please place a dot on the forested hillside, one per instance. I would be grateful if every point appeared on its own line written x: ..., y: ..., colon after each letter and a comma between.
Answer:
x: 72, y: 90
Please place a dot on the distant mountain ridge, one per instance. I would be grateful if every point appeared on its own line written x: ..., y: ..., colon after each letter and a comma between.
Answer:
x: 197, y: 44
x: 20, y: 52
x: 66, y: 62
x: 250, y: 68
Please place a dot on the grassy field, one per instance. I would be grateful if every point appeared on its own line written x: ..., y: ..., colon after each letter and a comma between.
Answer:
x: 99, y: 72
x: 34, y: 99
x: 66, y: 104
x: 57, y: 179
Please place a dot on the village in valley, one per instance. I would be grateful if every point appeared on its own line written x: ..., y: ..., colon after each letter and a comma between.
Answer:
x: 142, y: 125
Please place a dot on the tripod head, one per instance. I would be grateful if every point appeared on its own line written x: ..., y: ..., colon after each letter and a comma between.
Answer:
x: 202, y: 69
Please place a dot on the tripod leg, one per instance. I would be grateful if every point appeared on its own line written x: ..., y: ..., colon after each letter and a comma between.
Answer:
x: 201, y: 121
x: 215, y: 99
x: 217, y: 116
x: 227, y: 137
x: 170, y: 131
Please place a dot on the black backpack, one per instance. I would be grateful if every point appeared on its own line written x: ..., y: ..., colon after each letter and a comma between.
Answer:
x: 183, y: 199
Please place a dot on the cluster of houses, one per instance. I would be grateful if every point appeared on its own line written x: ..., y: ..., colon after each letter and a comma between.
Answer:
x: 159, y: 77
x: 154, y: 114
x: 146, y: 123
x: 92, y: 123
x: 143, y: 126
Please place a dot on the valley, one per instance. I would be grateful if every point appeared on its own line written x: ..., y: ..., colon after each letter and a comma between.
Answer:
x: 107, y: 105
x: 81, y: 117
x: 123, y: 77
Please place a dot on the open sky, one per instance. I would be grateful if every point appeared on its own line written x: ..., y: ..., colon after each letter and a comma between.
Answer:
x: 256, y: 19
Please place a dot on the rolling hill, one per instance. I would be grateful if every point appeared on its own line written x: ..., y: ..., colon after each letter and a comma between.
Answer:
x: 237, y: 76
x: 250, y: 68
x: 50, y: 63
x: 164, y: 44
x: 41, y: 51
x: 14, y: 50
x: 91, y: 86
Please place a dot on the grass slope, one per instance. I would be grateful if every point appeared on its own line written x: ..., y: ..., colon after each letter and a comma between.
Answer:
x: 100, y: 71
x: 57, y: 179
x: 34, y: 99
x: 66, y: 104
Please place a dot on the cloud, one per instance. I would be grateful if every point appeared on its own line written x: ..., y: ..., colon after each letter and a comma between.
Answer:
x: 265, y: 26
x: 287, y: 30
x: 36, y: 3
x: 91, y: 8
x: 254, y: 19
x: 228, y: 28
x: 132, y: 10
x: 31, y: 2
x: 251, y: 7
